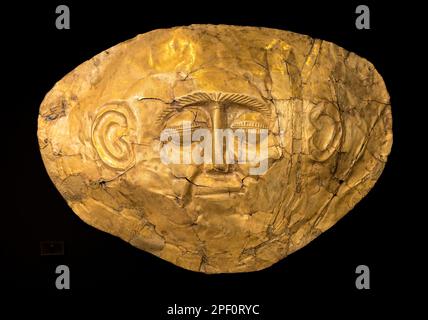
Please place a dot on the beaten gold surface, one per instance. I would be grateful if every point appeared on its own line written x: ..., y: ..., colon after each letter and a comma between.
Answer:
x: 329, y: 118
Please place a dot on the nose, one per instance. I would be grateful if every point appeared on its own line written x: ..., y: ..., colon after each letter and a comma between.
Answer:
x: 218, y: 118
x: 220, y: 167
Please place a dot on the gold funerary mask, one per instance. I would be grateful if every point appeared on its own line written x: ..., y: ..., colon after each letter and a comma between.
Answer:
x: 217, y: 148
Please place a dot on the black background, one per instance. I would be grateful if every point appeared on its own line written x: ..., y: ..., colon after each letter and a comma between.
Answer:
x: 36, y: 55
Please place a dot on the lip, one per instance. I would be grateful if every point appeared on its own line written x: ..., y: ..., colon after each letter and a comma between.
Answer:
x: 208, y: 184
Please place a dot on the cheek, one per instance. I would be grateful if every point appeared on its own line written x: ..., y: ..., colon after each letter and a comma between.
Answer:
x: 183, y: 170
x: 263, y: 194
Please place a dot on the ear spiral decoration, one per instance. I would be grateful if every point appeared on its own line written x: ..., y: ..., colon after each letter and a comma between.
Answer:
x: 326, y: 131
x: 112, y: 133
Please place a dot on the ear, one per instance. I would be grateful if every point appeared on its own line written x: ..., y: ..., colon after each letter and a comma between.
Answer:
x: 324, y: 131
x: 113, y: 132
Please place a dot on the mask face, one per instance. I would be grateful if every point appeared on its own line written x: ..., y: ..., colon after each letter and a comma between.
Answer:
x: 217, y: 148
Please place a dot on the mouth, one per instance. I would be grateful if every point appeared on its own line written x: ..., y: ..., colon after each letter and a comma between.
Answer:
x: 213, y: 184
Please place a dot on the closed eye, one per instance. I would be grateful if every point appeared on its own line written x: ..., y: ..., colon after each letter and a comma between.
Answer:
x: 246, y: 124
x: 189, y: 126
x: 186, y: 120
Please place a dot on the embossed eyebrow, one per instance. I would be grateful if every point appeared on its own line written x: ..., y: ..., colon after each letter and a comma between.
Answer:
x: 199, y: 98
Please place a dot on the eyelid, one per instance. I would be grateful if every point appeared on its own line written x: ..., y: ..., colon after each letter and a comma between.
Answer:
x: 179, y: 128
x: 249, y: 124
